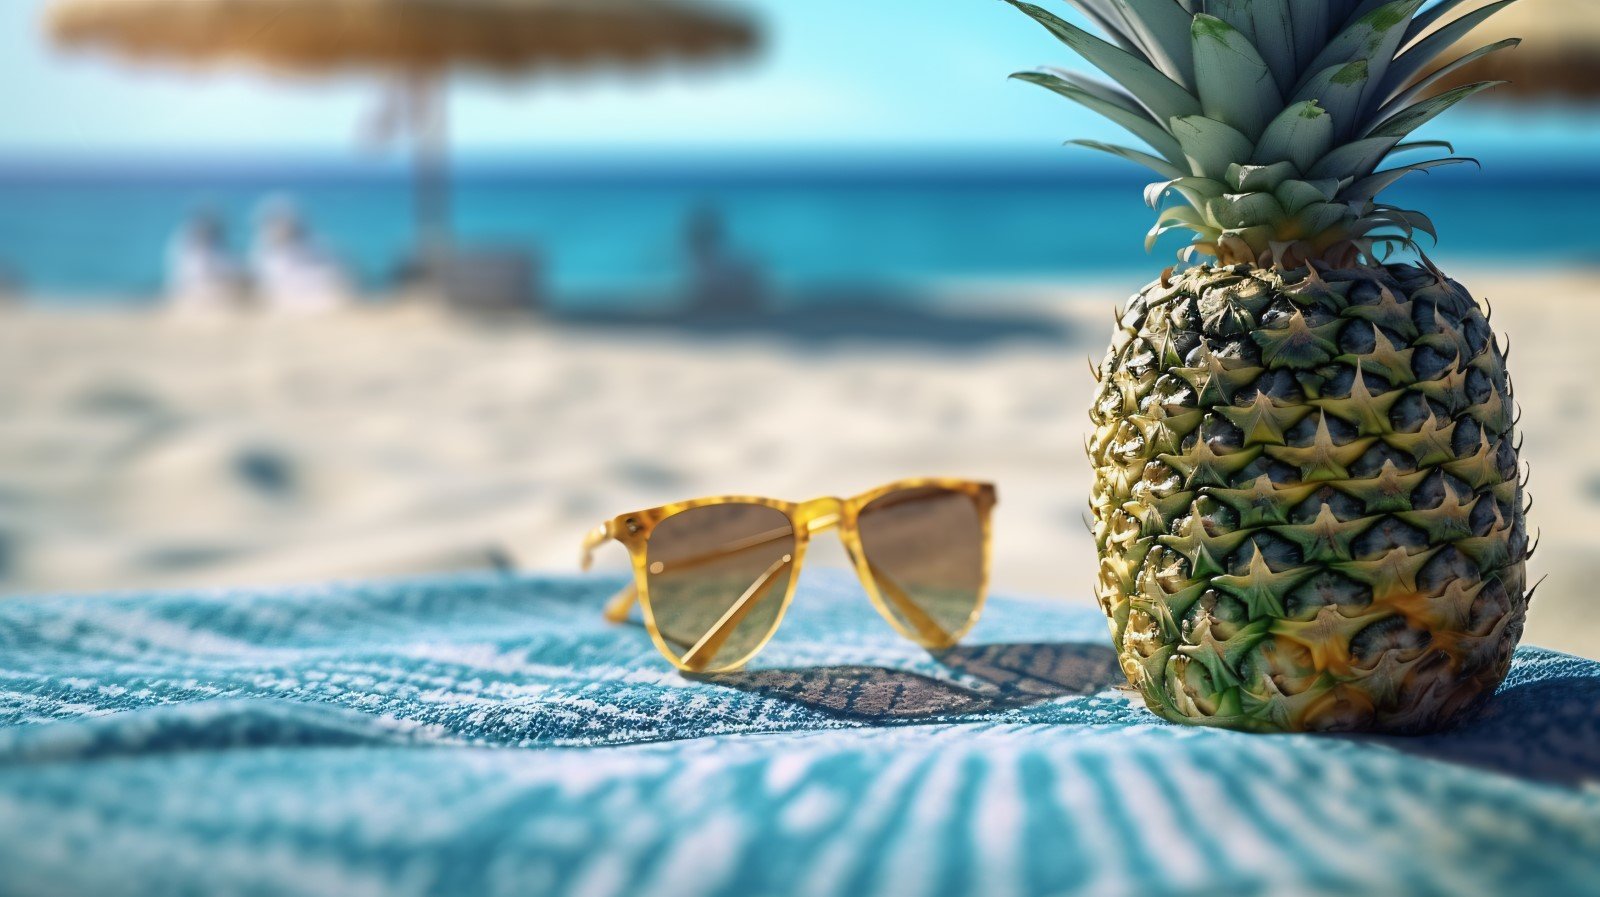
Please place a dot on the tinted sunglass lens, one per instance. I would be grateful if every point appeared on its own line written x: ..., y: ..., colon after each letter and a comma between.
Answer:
x: 717, y: 579
x: 924, y: 548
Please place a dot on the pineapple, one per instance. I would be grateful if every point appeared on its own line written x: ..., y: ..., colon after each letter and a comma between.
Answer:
x: 1307, y: 498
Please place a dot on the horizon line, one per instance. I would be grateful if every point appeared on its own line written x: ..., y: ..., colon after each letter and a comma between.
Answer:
x: 987, y: 164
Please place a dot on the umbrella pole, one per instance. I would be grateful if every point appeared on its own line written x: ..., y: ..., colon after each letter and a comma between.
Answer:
x: 431, y: 166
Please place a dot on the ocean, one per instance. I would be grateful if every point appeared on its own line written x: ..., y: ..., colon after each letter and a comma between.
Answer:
x: 74, y: 234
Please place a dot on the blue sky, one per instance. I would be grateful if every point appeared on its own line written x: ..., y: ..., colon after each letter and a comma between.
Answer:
x: 909, y: 75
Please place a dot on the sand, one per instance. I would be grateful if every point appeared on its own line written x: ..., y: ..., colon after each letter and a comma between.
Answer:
x: 143, y: 450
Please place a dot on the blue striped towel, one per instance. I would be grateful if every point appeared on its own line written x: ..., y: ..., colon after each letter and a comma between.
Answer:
x: 482, y: 735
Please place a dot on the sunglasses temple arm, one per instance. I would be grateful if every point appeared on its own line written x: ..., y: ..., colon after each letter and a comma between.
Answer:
x: 711, y: 642
x: 919, y: 620
x: 591, y: 540
x: 619, y: 605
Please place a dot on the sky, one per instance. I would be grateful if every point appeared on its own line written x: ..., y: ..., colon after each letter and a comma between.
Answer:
x: 906, y: 76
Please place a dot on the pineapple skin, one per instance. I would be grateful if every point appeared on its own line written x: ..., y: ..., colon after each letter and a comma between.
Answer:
x: 1307, y: 499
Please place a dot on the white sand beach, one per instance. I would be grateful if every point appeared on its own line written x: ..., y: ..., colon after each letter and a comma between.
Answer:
x: 143, y: 450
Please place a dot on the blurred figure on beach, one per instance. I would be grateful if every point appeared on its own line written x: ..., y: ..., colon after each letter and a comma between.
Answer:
x: 9, y: 288
x: 292, y: 273
x: 201, y: 275
x: 720, y: 281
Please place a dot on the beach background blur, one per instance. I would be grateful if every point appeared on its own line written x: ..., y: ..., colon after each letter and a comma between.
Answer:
x: 933, y: 272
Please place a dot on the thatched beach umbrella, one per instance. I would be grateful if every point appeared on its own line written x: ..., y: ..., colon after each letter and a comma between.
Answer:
x: 1559, y: 55
x: 418, y: 41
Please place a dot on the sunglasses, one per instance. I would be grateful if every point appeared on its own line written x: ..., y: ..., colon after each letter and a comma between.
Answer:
x: 714, y: 576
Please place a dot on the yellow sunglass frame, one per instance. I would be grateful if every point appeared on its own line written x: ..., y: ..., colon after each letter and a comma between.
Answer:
x: 808, y: 518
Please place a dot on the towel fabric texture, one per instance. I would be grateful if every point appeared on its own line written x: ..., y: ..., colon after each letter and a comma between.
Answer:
x: 491, y: 735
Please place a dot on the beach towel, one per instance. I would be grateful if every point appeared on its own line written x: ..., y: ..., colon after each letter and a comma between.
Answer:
x: 491, y: 735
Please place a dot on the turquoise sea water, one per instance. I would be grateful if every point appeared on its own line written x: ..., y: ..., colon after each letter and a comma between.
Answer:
x: 102, y: 233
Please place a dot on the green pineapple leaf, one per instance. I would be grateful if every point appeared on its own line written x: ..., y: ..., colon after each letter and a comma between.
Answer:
x: 1238, y: 210
x: 1125, y: 113
x: 1420, y: 87
x: 1320, y: 216
x: 1301, y: 134
x: 1164, y: 97
x: 1238, y: 16
x: 1234, y: 84
x: 1162, y: 27
x: 1210, y: 146
x: 1176, y: 218
x: 1108, y: 20
x: 1410, y: 219
x: 1433, y: 15
x: 1373, y: 184
x: 1415, y: 116
x: 1195, y: 191
x: 1159, y: 166
x: 1372, y: 38
x: 1259, y: 178
x: 1354, y: 11
x: 1339, y: 90
x: 1425, y: 51
x: 1271, y: 119
x: 1272, y: 32
x: 1296, y: 196
x: 1356, y: 159
x: 1417, y: 145
x: 1312, y: 20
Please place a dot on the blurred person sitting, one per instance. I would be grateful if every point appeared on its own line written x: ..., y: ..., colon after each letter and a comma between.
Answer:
x: 10, y: 287
x: 719, y: 281
x: 201, y: 276
x: 292, y: 273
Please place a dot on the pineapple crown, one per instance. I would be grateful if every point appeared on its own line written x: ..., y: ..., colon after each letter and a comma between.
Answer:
x: 1270, y: 119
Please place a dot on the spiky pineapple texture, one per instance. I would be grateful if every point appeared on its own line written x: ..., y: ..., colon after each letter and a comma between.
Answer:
x: 1306, y: 492
x: 1270, y: 119
x: 1307, y: 499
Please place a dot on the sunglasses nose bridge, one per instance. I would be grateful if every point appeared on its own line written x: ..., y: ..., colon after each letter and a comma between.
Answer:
x: 821, y: 514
